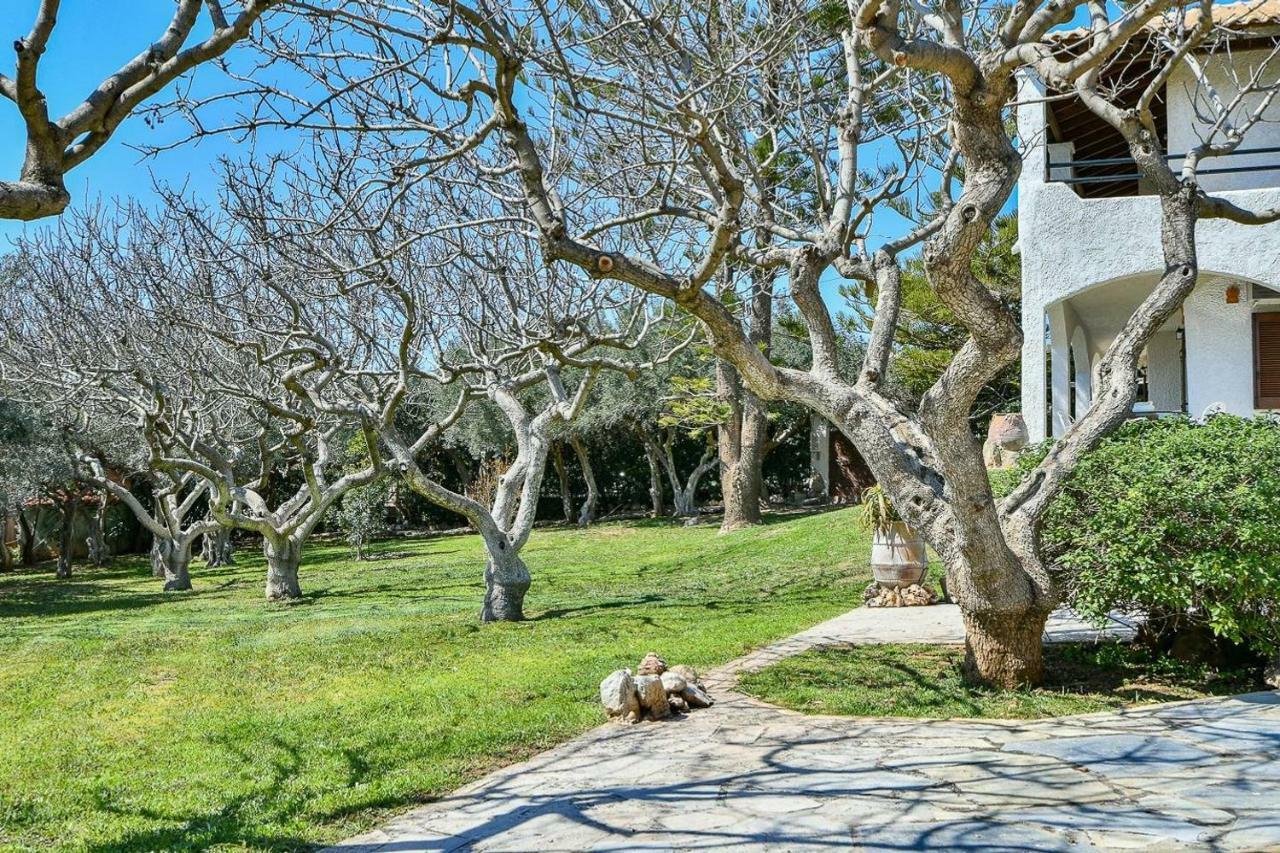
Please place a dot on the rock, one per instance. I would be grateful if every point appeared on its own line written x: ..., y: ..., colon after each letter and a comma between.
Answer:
x: 677, y: 703
x: 917, y: 596
x: 696, y: 697
x: 653, y: 699
x: 652, y: 665
x: 1271, y: 672
x: 688, y: 673
x: 673, y: 682
x: 914, y: 595
x: 619, y: 697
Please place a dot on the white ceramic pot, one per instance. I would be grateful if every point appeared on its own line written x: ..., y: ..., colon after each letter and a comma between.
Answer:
x: 898, y: 556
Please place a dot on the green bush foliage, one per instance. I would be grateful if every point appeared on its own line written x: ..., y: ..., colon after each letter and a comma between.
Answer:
x: 1174, y: 516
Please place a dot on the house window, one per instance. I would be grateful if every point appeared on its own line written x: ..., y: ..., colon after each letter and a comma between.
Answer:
x: 1266, y: 360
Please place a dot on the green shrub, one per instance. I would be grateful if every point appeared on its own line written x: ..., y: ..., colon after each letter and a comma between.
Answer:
x: 1174, y: 517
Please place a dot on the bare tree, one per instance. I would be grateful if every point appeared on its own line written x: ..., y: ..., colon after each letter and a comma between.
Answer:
x: 587, y: 513
x: 634, y: 134
x: 55, y: 146
x: 660, y: 444
x: 467, y: 315
x: 217, y: 548
x: 169, y: 521
x: 172, y: 325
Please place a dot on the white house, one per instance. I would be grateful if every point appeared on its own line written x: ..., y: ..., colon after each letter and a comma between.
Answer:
x: 1089, y: 237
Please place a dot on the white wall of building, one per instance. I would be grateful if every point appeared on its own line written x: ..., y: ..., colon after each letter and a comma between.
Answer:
x: 1069, y: 245
x: 1164, y: 372
x: 1188, y: 129
x: 1219, y: 349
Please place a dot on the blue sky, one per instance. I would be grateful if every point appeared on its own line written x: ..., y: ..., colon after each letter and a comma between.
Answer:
x: 92, y: 39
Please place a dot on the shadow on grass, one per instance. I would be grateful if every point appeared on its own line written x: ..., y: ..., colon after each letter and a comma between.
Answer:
x: 245, y: 821
x: 557, y: 613
x: 71, y: 597
x: 237, y: 822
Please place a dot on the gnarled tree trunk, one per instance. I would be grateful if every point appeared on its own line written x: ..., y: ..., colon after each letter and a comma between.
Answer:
x: 157, y: 561
x: 742, y: 446
x: 657, y: 498
x: 566, y: 493
x: 217, y: 549
x: 26, y: 540
x: 283, y: 556
x: 99, y: 553
x: 743, y: 438
x: 6, y: 556
x: 173, y: 559
x: 506, y: 580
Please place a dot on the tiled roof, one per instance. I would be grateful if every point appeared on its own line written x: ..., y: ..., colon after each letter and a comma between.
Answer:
x: 1251, y: 13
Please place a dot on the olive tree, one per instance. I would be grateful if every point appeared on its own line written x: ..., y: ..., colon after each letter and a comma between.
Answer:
x: 56, y: 145
x: 171, y: 324
x: 637, y: 135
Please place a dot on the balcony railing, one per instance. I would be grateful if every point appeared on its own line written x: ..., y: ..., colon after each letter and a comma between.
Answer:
x: 1123, y: 177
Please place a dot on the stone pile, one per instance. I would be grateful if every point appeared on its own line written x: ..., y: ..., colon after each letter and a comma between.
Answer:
x: 655, y: 692
x: 914, y: 595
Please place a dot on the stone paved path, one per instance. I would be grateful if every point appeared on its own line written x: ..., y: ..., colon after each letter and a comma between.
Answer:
x: 1199, y: 775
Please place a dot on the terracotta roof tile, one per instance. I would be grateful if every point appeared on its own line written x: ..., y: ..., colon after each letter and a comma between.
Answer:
x: 1251, y: 13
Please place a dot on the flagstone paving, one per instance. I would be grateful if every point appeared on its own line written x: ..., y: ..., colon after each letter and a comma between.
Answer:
x: 1201, y: 775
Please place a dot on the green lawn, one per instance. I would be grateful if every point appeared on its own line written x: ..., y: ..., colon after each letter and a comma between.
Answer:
x: 131, y: 719
x: 924, y: 681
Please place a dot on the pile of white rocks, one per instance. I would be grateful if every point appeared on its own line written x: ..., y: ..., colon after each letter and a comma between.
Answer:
x: 914, y: 595
x: 655, y: 692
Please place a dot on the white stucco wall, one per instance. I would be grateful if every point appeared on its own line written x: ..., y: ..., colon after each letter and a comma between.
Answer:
x: 1069, y: 245
x: 820, y: 450
x: 1186, y: 129
x: 1219, y: 350
x: 1164, y: 372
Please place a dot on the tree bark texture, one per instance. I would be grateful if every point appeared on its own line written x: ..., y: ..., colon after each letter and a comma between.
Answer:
x: 506, y: 580
x: 99, y: 553
x: 562, y: 472
x: 26, y: 540
x: 283, y: 556
x: 217, y: 549
x: 657, y: 497
x: 1004, y: 650
x: 174, y: 561
x: 66, y: 536
x: 742, y: 439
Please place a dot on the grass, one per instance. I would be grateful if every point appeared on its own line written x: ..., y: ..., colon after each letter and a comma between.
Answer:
x: 924, y: 681
x: 131, y: 719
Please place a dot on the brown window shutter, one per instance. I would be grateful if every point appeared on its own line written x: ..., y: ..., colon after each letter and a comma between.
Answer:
x: 1266, y: 360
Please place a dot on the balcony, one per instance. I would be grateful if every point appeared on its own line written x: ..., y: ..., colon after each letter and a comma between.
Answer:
x: 1093, y: 177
